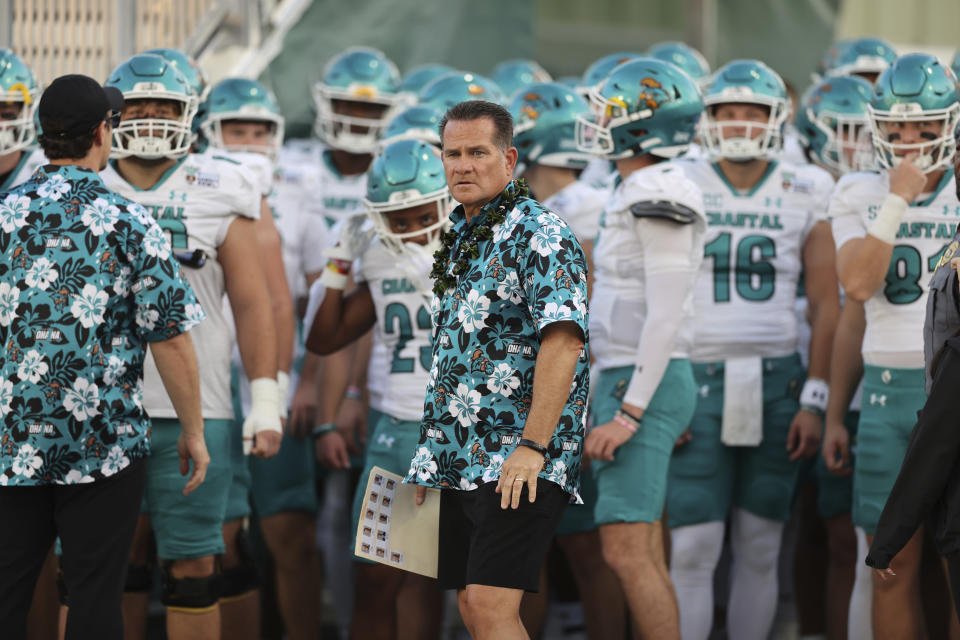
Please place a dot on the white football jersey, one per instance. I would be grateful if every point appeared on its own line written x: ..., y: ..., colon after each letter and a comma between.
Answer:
x: 306, y: 178
x: 580, y: 204
x: 399, y: 286
x: 195, y: 202
x: 753, y: 258
x: 895, y: 313
x: 30, y: 160
x: 618, y: 305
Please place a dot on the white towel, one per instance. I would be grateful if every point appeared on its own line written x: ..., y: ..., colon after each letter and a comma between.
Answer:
x: 742, y: 402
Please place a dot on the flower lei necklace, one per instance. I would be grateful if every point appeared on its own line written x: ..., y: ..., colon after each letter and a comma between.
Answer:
x: 469, y: 249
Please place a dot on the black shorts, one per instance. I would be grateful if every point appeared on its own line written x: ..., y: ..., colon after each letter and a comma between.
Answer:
x: 480, y: 543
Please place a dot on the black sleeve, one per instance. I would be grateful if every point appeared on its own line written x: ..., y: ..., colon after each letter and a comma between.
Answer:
x: 664, y: 210
x: 927, y: 465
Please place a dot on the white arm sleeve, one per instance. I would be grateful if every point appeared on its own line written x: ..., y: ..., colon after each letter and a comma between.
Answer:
x: 670, y: 270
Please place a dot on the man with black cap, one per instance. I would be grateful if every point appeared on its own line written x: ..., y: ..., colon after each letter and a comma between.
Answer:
x: 80, y: 267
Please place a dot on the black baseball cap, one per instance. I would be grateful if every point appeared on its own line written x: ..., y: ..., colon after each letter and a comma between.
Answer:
x: 75, y: 104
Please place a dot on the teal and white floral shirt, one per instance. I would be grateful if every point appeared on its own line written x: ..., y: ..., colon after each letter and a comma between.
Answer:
x: 529, y: 274
x: 81, y: 270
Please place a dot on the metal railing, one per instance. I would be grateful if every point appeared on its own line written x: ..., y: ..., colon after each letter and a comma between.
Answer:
x: 92, y: 36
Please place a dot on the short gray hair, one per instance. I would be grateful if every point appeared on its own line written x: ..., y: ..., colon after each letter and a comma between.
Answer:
x: 477, y: 109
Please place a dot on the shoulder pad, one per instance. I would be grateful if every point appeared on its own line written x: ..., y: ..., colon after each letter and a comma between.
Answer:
x: 664, y: 210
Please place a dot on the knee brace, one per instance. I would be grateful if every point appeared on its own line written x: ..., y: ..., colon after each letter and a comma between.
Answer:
x: 242, y: 578
x: 696, y: 548
x: 190, y: 594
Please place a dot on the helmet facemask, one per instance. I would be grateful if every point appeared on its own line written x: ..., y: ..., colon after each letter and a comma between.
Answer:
x: 934, y: 153
x: 154, y: 138
x: 758, y: 140
x: 595, y: 130
x: 848, y: 147
x: 19, y: 132
x: 402, y: 243
x: 213, y: 128
x: 355, y: 134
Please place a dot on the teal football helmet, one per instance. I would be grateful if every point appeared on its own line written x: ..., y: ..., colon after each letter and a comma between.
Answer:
x: 513, y: 75
x: 862, y: 56
x: 246, y: 100
x: 684, y: 56
x: 407, y: 174
x: 955, y: 64
x: 454, y: 88
x: 149, y: 77
x: 598, y: 71
x: 832, y: 124
x: 185, y: 65
x: 358, y: 75
x: 18, y: 86
x: 916, y: 87
x: 644, y: 106
x: 750, y: 82
x: 545, y: 126
x: 413, y: 123
x: 421, y: 75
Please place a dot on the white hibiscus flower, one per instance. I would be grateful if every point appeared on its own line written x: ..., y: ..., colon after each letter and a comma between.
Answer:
x: 54, y: 188
x: 116, y: 367
x: 89, y: 305
x: 492, y: 471
x: 26, y: 462
x: 464, y: 405
x: 558, y: 473
x: 138, y: 394
x: 423, y: 464
x: 121, y: 286
x: 75, y: 476
x: 194, y: 313
x: 6, y: 396
x: 510, y: 288
x: 473, y: 311
x: 32, y: 367
x: 503, y: 380
x: 9, y: 299
x: 552, y: 312
x: 83, y: 400
x: 466, y: 485
x: 3, y: 479
x: 13, y: 212
x: 147, y: 316
x: 115, y: 461
x: 155, y: 243
x: 505, y: 229
x: 100, y: 216
x: 546, y: 239
x: 42, y: 273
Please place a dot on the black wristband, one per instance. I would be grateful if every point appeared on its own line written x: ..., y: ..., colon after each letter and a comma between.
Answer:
x: 531, y: 444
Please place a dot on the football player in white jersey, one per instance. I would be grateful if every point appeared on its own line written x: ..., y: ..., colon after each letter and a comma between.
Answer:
x: 358, y: 93
x: 766, y: 224
x: 892, y: 229
x: 647, y: 255
x: 241, y: 118
x: 209, y: 205
x: 408, y: 202
x: 19, y: 92
x: 545, y: 117
x: 833, y: 129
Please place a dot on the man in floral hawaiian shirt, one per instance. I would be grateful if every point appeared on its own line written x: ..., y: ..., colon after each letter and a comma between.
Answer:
x: 504, y: 411
x: 80, y: 265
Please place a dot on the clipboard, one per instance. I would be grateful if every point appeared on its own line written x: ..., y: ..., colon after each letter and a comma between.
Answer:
x: 393, y: 530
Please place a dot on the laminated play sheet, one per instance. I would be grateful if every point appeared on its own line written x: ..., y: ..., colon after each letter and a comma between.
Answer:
x: 393, y: 530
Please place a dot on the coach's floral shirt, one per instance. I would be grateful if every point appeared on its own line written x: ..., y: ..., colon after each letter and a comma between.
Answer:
x: 81, y: 269
x: 531, y: 273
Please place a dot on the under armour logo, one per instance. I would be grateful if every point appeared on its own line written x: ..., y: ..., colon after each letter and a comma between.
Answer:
x: 704, y: 391
x: 886, y: 376
x: 386, y: 440
x: 880, y: 400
